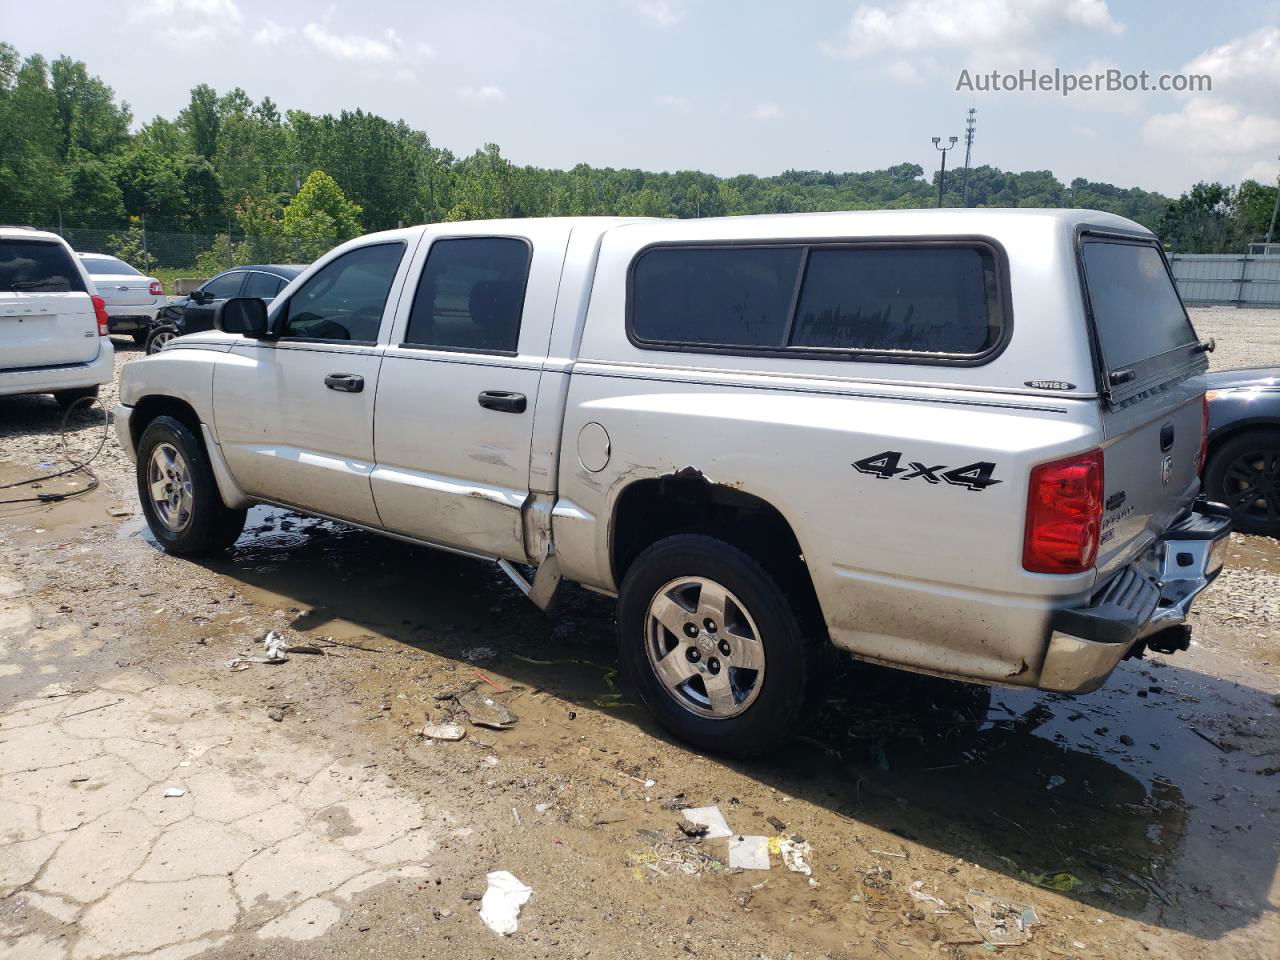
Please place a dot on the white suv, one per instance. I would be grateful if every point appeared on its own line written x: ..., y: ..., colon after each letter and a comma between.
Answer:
x: 53, y: 324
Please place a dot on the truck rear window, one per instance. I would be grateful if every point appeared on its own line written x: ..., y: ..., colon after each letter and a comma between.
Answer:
x: 37, y: 266
x: 873, y: 300
x: 1136, y: 309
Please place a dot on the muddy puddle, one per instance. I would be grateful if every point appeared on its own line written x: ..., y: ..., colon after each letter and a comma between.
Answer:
x: 1155, y: 798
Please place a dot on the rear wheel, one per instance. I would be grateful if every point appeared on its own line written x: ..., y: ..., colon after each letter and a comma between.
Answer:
x: 159, y: 337
x: 67, y: 398
x: 179, y: 496
x: 1244, y: 473
x: 712, y: 646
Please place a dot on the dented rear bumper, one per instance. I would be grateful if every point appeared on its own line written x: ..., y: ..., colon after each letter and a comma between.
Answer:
x: 1146, y: 603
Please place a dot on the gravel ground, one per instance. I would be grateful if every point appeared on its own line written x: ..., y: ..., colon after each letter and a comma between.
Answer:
x: 1246, y: 337
x: 1138, y: 821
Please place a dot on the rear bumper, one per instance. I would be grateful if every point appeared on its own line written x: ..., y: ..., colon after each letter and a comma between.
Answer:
x: 1150, y: 597
x: 131, y: 319
x: 63, y: 377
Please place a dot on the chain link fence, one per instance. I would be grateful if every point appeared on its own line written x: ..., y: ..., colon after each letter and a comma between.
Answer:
x: 194, y: 252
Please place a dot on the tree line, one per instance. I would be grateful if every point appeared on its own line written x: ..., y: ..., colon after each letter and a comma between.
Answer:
x: 292, y: 183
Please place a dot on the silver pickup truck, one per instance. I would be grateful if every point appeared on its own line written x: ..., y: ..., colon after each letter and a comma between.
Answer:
x: 961, y: 442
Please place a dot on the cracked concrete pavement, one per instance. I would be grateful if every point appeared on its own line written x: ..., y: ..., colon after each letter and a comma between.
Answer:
x: 268, y: 834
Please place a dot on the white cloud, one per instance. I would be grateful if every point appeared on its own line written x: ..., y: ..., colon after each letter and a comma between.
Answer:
x: 271, y: 34
x: 487, y: 94
x: 1212, y: 127
x: 226, y: 10
x: 665, y: 13
x: 678, y: 104
x: 766, y: 111
x: 905, y: 71
x: 1252, y: 58
x: 1264, y: 171
x: 909, y: 26
x: 354, y: 46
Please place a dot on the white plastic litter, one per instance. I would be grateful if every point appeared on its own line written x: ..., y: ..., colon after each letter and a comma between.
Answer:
x: 712, y: 819
x: 917, y: 894
x: 175, y: 792
x: 1002, y: 923
x: 277, y: 651
x: 501, y: 903
x: 794, y: 854
x: 444, y: 731
x: 749, y: 853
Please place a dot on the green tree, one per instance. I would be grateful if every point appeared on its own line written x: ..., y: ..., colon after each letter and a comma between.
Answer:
x: 320, y: 217
x: 89, y: 118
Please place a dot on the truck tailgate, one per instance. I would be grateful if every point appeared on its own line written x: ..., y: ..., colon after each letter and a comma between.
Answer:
x: 1149, y: 468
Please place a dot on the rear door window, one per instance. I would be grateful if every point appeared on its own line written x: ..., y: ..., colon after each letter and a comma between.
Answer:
x: 222, y: 287
x: 262, y: 285
x: 1136, y: 309
x: 470, y: 297
x: 927, y: 301
x: 37, y: 266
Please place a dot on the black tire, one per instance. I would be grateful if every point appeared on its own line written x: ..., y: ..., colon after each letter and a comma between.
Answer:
x: 1248, y: 458
x: 210, y: 525
x: 65, y: 398
x: 158, y: 336
x: 789, y: 683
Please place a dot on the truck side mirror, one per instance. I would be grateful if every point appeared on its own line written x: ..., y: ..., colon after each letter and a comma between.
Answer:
x: 243, y: 315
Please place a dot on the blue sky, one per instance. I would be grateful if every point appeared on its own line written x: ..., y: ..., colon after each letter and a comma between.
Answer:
x: 726, y: 87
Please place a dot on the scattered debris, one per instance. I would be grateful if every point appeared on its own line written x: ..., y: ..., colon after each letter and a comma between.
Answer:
x: 1002, y: 923
x: 901, y: 855
x: 479, y: 654
x: 1062, y: 882
x: 1221, y: 745
x: 712, y: 819
x: 749, y: 853
x: 917, y: 894
x: 1126, y: 740
x: 175, y: 792
x: 275, y: 713
x: 444, y: 731
x: 776, y: 824
x: 277, y: 651
x: 695, y: 831
x: 482, y: 710
x: 501, y: 903
x: 795, y: 852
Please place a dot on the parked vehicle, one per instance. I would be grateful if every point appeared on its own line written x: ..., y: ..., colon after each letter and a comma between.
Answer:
x: 194, y: 313
x: 53, y: 324
x: 132, y: 298
x: 961, y: 442
x: 1243, y: 469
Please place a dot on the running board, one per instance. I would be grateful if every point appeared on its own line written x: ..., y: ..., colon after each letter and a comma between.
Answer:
x: 545, y: 582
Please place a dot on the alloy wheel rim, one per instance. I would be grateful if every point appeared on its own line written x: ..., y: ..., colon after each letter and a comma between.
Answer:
x: 1252, y: 485
x: 704, y: 648
x: 169, y: 481
x: 159, y: 340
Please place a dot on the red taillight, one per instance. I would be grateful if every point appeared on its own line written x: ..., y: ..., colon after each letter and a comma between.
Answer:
x: 1064, y: 515
x: 156, y: 289
x: 100, y: 311
x: 1204, y: 433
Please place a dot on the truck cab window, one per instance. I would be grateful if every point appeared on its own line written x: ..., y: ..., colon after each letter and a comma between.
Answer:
x: 471, y: 295
x: 344, y: 300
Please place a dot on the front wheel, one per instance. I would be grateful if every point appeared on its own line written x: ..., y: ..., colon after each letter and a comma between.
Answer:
x: 159, y: 337
x: 712, y: 646
x: 179, y: 496
x: 1244, y: 473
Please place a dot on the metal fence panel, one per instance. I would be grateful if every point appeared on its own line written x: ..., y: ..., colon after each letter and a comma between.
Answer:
x: 1224, y: 278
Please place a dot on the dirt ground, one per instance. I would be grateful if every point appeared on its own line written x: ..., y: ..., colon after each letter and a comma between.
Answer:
x: 314, y: 821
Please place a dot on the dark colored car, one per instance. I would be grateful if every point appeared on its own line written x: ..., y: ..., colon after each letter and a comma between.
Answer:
x: 1243, y: 466
x: 194, y: 313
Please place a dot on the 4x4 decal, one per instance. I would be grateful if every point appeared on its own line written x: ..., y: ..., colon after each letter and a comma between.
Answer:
x: 885, y: 466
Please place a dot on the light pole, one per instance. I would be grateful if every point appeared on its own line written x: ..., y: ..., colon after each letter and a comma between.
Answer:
x: 1274, y: 210
x: 942, y: 176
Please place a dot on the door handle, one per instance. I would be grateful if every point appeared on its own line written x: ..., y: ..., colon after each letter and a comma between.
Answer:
x: 503, y: 401
x: 345, y: 382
